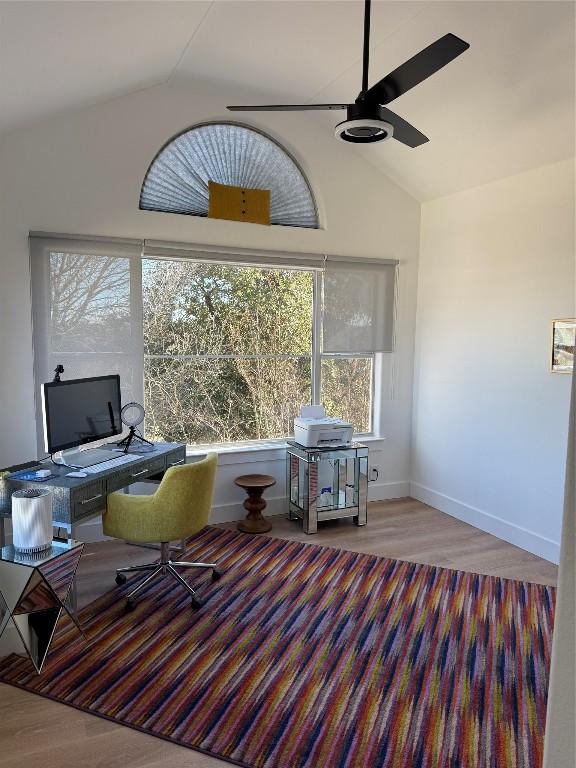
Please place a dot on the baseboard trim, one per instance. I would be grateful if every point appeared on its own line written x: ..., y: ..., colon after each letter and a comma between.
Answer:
x: 229, y: 513
x: 398, y: 489
x: 510, y: 532
x: 91, y: 530
x: 277, y: 505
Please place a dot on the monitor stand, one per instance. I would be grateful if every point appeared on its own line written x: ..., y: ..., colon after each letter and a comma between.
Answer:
x: 80, y: 459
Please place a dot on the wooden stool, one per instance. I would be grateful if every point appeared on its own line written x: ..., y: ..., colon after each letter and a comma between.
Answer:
x: 255, y: 485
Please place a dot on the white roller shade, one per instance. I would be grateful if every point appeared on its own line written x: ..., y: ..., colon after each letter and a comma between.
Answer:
x: 87, y: 312
x: 358, y: 307
x: 158, y: 249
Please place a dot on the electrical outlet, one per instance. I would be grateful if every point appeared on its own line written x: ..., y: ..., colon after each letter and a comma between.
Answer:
x: 373, y: 476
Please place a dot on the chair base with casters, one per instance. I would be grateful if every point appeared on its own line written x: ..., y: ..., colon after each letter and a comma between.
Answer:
x: 165, y: 566
x: 178, y: 509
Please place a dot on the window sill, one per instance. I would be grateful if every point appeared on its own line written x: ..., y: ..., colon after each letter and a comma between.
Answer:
x: 257, y: 450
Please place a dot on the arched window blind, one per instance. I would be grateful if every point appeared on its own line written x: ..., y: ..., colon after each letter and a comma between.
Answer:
x: 232, y: 154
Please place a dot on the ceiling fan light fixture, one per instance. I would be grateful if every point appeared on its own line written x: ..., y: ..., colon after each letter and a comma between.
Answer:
x: 364, y: 130
x: 369, y: 119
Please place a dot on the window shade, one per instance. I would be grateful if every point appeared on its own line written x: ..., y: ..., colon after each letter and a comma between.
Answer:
x: 159, y: 249
x: 358, y: 308
x: 230, y: 154
x: 87, y: 314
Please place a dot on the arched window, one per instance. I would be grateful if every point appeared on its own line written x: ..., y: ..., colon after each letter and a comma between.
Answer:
x: 232, y: 154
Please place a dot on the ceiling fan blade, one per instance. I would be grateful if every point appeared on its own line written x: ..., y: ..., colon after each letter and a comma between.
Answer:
x: 417, y: 69
x: 403, y: 131
x: 287, y: 107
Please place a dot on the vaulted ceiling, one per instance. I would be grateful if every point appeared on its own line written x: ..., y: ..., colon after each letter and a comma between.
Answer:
x: 504, y: 106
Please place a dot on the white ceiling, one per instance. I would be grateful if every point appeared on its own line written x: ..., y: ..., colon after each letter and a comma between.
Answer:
x: 63, y: 55
x: 504, y: 106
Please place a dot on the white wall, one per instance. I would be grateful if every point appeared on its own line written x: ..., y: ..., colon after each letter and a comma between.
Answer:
x: 560, y: 737
x: 81, y: 173
x: 490, y: 420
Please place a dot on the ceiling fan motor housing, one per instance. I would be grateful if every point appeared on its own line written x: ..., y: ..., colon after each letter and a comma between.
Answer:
x: 363, y: 125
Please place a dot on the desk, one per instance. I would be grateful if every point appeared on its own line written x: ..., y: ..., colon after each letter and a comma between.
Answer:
x: 76, y: 500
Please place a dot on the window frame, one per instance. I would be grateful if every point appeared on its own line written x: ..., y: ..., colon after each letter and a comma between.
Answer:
x: 43, y: 243
x: 317, y: 315
x: 316, y: 354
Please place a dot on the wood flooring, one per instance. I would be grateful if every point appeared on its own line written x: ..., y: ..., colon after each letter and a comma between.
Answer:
x: 35, y: 731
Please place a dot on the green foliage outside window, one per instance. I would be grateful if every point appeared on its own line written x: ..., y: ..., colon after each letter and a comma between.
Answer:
x: 227, y: 350
x: 347, y: 389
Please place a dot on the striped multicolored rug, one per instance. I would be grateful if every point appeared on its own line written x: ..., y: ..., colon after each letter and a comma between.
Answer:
x: 310, y: 657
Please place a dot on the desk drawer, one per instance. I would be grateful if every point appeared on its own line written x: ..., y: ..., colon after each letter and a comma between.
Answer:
x: 176, y: 459
x: 133, y: 474
x: 88, y: 499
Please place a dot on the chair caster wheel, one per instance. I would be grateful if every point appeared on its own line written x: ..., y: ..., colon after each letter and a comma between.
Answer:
x: 196, y: 603
x: 120, y: 579
x: 216, y: 574
x: 129, y: 606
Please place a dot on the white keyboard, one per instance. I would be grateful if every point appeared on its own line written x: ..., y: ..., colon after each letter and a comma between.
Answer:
x: 110, y: 464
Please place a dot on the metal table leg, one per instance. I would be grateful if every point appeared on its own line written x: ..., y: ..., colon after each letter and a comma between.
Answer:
x: 73, y: 594
x: 311, y: 515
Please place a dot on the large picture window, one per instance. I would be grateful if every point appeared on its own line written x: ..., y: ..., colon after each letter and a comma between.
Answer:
x: 227, y: 350
x: 218, y: 352
x: 229, y: 354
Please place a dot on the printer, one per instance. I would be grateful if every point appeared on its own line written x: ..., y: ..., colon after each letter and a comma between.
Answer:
x: 313, y: 429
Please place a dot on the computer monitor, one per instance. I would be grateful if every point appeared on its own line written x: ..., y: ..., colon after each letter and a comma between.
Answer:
x: 80, y: 411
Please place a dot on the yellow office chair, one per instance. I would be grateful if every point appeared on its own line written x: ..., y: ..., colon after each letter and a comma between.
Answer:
x: 178, y: 509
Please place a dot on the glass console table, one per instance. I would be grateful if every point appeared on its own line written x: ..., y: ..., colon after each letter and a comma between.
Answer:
x: 34, y: 590
x: 326, y: 483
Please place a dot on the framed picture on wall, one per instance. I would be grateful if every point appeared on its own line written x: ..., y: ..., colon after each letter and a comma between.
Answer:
x: 563, y: 344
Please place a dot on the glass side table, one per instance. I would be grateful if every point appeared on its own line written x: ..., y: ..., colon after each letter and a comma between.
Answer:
x: 326, y: 483
x: 34, y: 590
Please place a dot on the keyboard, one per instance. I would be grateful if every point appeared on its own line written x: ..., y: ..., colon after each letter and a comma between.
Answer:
x: 118, y: 461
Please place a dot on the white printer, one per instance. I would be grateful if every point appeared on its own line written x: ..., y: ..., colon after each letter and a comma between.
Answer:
x: 313, y: 429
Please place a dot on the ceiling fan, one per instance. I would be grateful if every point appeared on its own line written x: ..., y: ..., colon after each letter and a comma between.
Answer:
x: 368, y: 119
